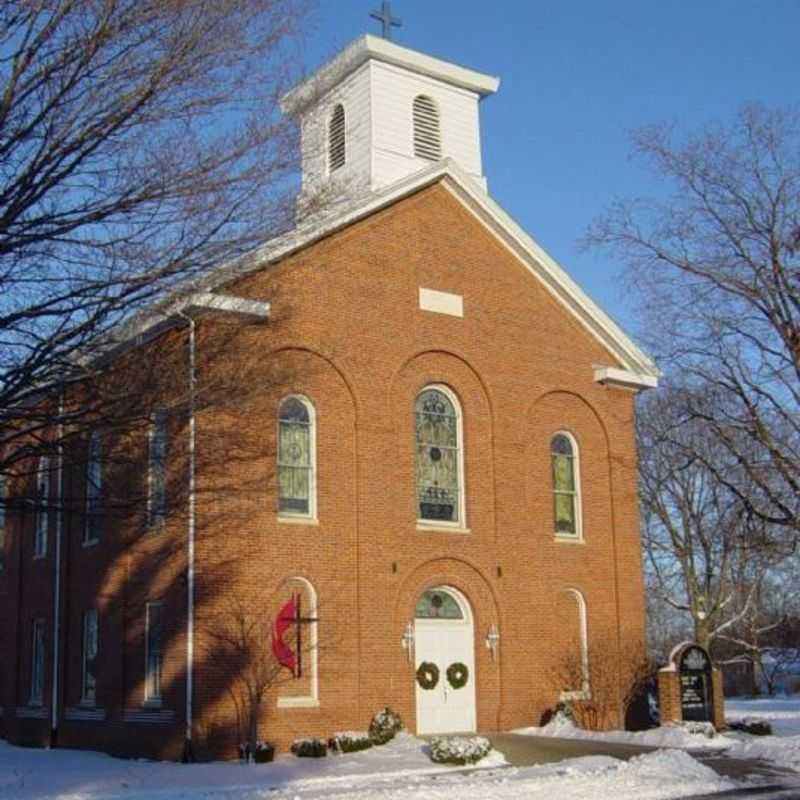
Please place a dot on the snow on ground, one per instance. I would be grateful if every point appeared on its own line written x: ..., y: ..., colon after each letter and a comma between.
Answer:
x: 665, y: 736
x: 398, y: 771
x: 783, y: 713
x: 781, y: 749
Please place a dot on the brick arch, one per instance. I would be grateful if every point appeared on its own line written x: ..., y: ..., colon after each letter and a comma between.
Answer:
x: 439, y: 366
x: 474, y: 585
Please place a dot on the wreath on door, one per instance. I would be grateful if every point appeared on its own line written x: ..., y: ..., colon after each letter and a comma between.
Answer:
x: 427, y: 675
x: 458, y: 675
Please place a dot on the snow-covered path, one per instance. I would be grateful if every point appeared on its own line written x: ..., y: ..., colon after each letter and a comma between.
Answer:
x: 398, y: 771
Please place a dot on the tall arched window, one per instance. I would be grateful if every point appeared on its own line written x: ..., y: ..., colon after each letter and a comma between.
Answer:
x: 440, y: 496
x: 427, y: 136
x: 295, y: 642
x: 566, y: 485
x: 576, y: 661
x: 41, y: 508
x: 296, y: 458
x: 94, y: 487
x: 337, y: 151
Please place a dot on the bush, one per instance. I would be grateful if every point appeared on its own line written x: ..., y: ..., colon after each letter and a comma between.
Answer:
x: 697, y: 728
x: 459, y: 750
x: 349, y: 742
x: 265, y: 752
x: 755, y: 726
x: 310, y: 748
x: 385, y: 725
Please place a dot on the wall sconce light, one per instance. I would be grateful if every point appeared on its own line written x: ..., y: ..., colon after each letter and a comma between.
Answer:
x: 408, y: 641
x: 492, y: 640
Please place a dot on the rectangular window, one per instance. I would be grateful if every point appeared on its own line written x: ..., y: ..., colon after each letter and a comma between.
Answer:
x: 89, y: 679
x: 37, y: 664
x: 152, y: 680
x: 93, y: 514
x: 3, y: 501
x: 156, y: 471
x: 41, y: 508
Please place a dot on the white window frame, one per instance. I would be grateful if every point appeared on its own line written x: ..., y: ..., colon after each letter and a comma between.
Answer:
x: 576, y: 469
x: 94, y: 489
x: 311, y: 514
x: 38, y: 645
x: 41, y: 518
x: 151, y: 696
x: 87, y: 627
x: 461, y: 523
x: 585, y: 692
x: 310, y: 700
x: 328, y: 132
x: 157, y: 516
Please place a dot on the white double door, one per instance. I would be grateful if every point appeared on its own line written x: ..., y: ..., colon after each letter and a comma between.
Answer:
x: 444, y: 709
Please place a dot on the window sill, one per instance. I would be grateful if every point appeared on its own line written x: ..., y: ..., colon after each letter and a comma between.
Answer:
x: 430, y: 526
x: 155, y: 702
x: 565, y: 539
x: 298, y: 520
x: 298, y: 702
x: 40, y: 557
x: 90, y: 543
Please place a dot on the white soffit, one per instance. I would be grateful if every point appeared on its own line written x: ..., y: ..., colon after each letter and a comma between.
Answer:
x: 373, y: 47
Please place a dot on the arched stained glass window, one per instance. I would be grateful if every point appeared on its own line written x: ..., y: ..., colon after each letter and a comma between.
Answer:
x: 438, y: 435
x: 438, y: 604
x: 566, y: 485
x: 94, y: 490
x: 296, y: 457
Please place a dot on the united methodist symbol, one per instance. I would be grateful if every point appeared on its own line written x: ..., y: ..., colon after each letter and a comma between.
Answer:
x: 290, y: 615
x: 384, y: 16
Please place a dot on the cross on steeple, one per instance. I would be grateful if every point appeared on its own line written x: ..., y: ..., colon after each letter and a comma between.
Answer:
x: 384, y: 16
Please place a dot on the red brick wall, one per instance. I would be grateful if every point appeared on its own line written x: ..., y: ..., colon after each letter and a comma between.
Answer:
x: 347, y: 333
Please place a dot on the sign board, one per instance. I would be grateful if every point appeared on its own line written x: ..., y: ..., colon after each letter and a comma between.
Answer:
x: 694, y: 670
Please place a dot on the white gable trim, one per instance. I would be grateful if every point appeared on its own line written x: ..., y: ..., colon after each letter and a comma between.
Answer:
x: 641, y: 370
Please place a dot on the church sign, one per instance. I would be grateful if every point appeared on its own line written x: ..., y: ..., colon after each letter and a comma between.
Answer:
x: 694, y: 669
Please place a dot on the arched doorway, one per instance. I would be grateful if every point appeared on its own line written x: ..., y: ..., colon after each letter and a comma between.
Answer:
x: 444, y: 647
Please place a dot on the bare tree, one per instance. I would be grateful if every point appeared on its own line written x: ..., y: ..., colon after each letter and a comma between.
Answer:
x: 141, y: 145
x: 707, y: 556
x: 716, y: 262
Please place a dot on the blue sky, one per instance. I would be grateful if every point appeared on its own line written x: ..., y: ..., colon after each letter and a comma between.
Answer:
x: 576, y: 77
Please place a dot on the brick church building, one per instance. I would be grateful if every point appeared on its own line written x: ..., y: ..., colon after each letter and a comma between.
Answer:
x: 421, y: 493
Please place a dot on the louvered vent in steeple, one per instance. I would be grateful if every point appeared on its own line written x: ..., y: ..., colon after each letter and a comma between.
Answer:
x: 427, y: 136
x: 336, y: 139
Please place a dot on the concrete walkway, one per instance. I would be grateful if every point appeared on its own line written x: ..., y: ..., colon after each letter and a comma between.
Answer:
x: 527, y: 751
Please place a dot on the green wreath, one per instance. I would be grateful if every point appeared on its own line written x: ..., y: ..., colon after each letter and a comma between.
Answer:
x: 458, y: 675
x: 427, y: 675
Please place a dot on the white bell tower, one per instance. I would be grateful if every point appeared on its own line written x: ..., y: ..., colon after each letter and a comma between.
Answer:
x: 379, y: 112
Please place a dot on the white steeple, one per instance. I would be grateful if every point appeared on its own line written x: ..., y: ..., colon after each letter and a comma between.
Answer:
x: 379, y: 112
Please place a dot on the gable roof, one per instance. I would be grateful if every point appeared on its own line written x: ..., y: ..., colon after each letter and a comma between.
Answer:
x: 635, y: 370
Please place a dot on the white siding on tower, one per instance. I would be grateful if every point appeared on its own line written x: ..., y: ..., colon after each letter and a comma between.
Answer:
x: 354, y: 95
x: 393, y: 92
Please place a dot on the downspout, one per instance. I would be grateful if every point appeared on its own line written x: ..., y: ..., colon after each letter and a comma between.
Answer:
x: 57, y: 583
x: 188, y: 755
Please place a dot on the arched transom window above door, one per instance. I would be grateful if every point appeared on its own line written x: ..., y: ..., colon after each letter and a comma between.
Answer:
x: 438, y: 604
x: 439, y: 456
